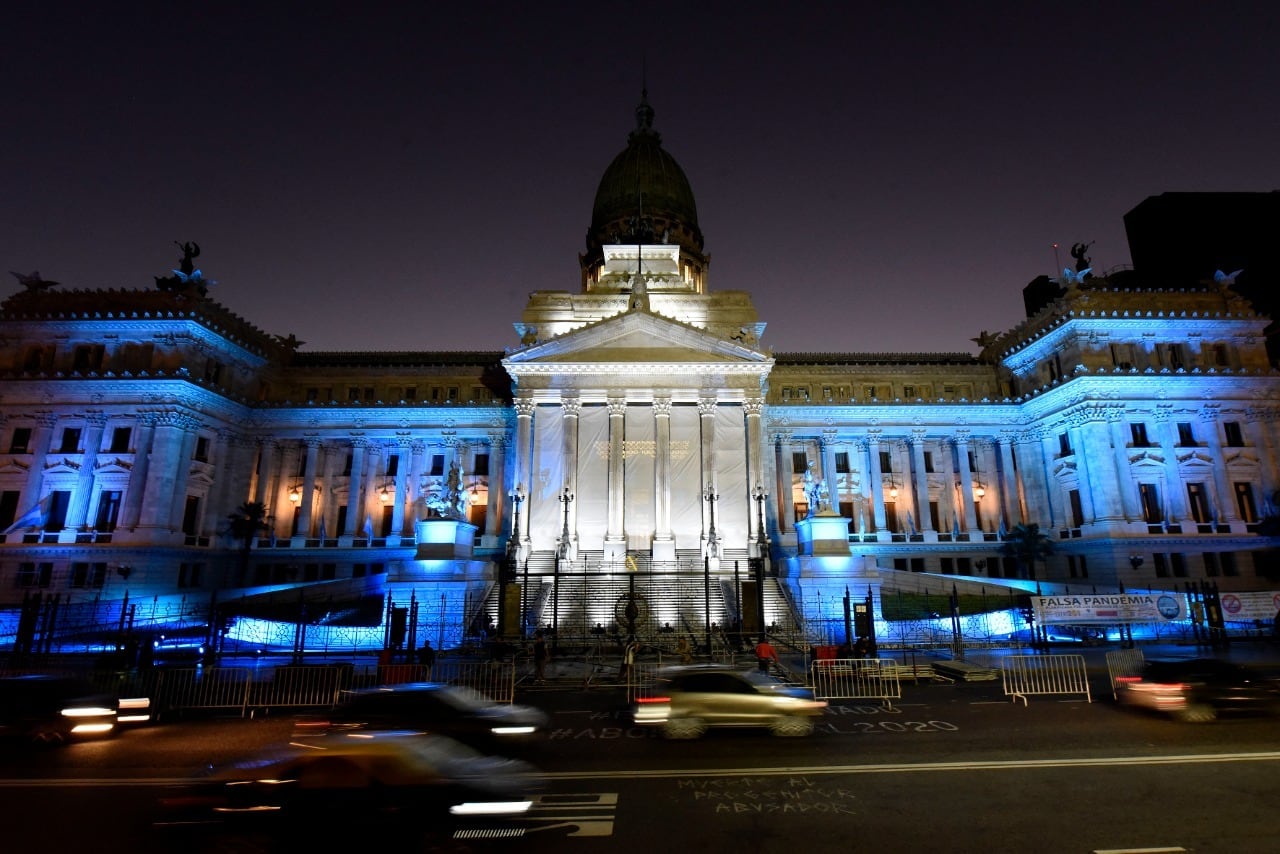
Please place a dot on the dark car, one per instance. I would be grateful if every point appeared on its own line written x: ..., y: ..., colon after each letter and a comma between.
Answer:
x: 1197, y: 689
x: 689, y: 700
x: 47, y: 709
x: 433, y: 707
x: 331, y: 780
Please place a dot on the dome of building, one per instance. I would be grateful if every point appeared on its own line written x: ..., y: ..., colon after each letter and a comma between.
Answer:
x: 644, y: 196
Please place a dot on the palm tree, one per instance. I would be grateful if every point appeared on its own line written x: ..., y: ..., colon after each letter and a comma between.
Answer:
x: 1027, y: 544
x: 249, y: 520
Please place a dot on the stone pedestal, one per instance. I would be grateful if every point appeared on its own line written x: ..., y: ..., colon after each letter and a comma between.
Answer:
x: 444, y: 539
x: 823, y: 534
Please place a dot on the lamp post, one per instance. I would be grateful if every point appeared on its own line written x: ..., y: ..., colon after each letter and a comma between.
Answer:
x: 713, y: 541
x: 760, y: 495
x: 517, y: 498
x: 565, y: 498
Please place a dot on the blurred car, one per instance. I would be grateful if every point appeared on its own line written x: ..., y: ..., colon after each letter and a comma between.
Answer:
x: 341, y: 776
x: 434, y: 707
x: 47, y: 709
x: 1197, y: 689
x: 687, y: 701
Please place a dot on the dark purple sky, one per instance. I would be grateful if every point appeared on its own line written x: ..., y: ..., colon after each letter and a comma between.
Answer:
x: 880, y: 176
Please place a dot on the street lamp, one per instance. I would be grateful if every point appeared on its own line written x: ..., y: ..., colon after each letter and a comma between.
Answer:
x: 565, y: 498
x: 760, y: 495
x: 713, y: 547
x: 517, y: 498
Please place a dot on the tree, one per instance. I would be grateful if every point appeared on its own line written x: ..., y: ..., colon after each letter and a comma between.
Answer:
x: 1027, y: 544
x: 249, y: 520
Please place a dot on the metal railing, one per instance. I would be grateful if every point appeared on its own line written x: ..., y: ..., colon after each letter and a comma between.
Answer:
x: 1123, y: 663
x: 856, y: 679
x: 1026, y: 675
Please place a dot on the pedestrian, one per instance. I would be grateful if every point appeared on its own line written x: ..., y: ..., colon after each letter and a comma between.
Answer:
x: 862, y: 649
x: 426, y: 657
x: 540, y: 657
x: 685, y: 651
x: 765, y: 653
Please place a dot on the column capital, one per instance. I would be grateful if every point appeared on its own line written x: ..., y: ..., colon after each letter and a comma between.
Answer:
x: 617, y: 407
x: 918, y: 435
x: 753, y: 406
x: 962, y: 437
x: 662, y: 407
x: 498, y: 439
x: 524, y: 407
x: 706, y: 406
x: 572, y: 406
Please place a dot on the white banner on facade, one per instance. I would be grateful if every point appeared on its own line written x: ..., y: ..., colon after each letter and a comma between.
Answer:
x: 1110, y: 608
x: 1256, y: 605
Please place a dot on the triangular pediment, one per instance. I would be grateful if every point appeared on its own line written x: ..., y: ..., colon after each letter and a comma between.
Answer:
x: 637, y: 336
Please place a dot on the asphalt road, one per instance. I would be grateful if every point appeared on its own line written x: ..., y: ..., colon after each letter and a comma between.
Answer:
x: 949, y: 768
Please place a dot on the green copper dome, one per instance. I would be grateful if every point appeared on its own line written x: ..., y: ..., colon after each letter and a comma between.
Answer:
x: 644, y: 196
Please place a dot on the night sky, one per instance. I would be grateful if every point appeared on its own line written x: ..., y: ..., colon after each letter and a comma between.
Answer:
x: 880, y: 176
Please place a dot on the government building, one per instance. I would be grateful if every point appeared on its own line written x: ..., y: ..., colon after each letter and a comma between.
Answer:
x: 635, y: 459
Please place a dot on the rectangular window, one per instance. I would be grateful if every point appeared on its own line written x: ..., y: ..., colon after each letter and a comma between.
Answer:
x: 120, y: 439
x: 973, y: 462
x: 891, y: 517
x: 201, y: 453
x: 1077, y: 508
x: 799, y: 462
x: 1210, y: 565
x: 59, y: 502
x: 21, y: 439
x: 786, y: 393
x: 1198, y: 503
x: 1161, y: 565
x: 1228, y: 561
x: 437, y: 465
x: 928, y: 461
x: 480, y: 465
x: 1235, y: 438
x: 191, y: 515
x: 1055, y: 368
x: 1245, y: 505
x: 212, y: 371
x: 826, y: 392
x: 1122, y: 356
x: 189, y: 574
x: 453, y: 392
x: 1220, y: 356
x: 1139, y: 434
x: 87, y: 358
x: 108, y: 510
x: 1178, y: 562
x: 346, y: 465
x: 353, y: 393
x: 886, y: 462
x: 1149, y: 495
x: 393, y: 465
x: 8, y: 507
x: 79, y: 575
x: 869, y: 392
x: 410, y: 393
x: 1175, y: 356
x: 1064, y: 444
x: 1186, y: 436
x: 909, y: 392
x: 70, y: 441
x: 842, y: 462
x: 313, y: 394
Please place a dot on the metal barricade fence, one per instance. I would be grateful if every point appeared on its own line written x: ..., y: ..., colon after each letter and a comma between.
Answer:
x: 856, y: 679
x: 1025, y: 675
x: 299, y: 686
x: 1122, y: 663
x: 207, y: 688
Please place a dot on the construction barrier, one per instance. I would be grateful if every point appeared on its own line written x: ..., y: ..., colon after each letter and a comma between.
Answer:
x: 856, y: 679
x: 1027, y: 675
x: 1122, y: 664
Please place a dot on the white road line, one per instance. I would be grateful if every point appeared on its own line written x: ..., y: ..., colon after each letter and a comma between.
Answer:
x: 900, y: 768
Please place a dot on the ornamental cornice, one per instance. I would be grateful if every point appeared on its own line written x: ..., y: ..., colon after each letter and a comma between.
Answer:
x: 633, y: 369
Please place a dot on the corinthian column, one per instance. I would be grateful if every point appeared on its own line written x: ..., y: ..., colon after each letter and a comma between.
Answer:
x: 616, y: 539
x: 663, y: 541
